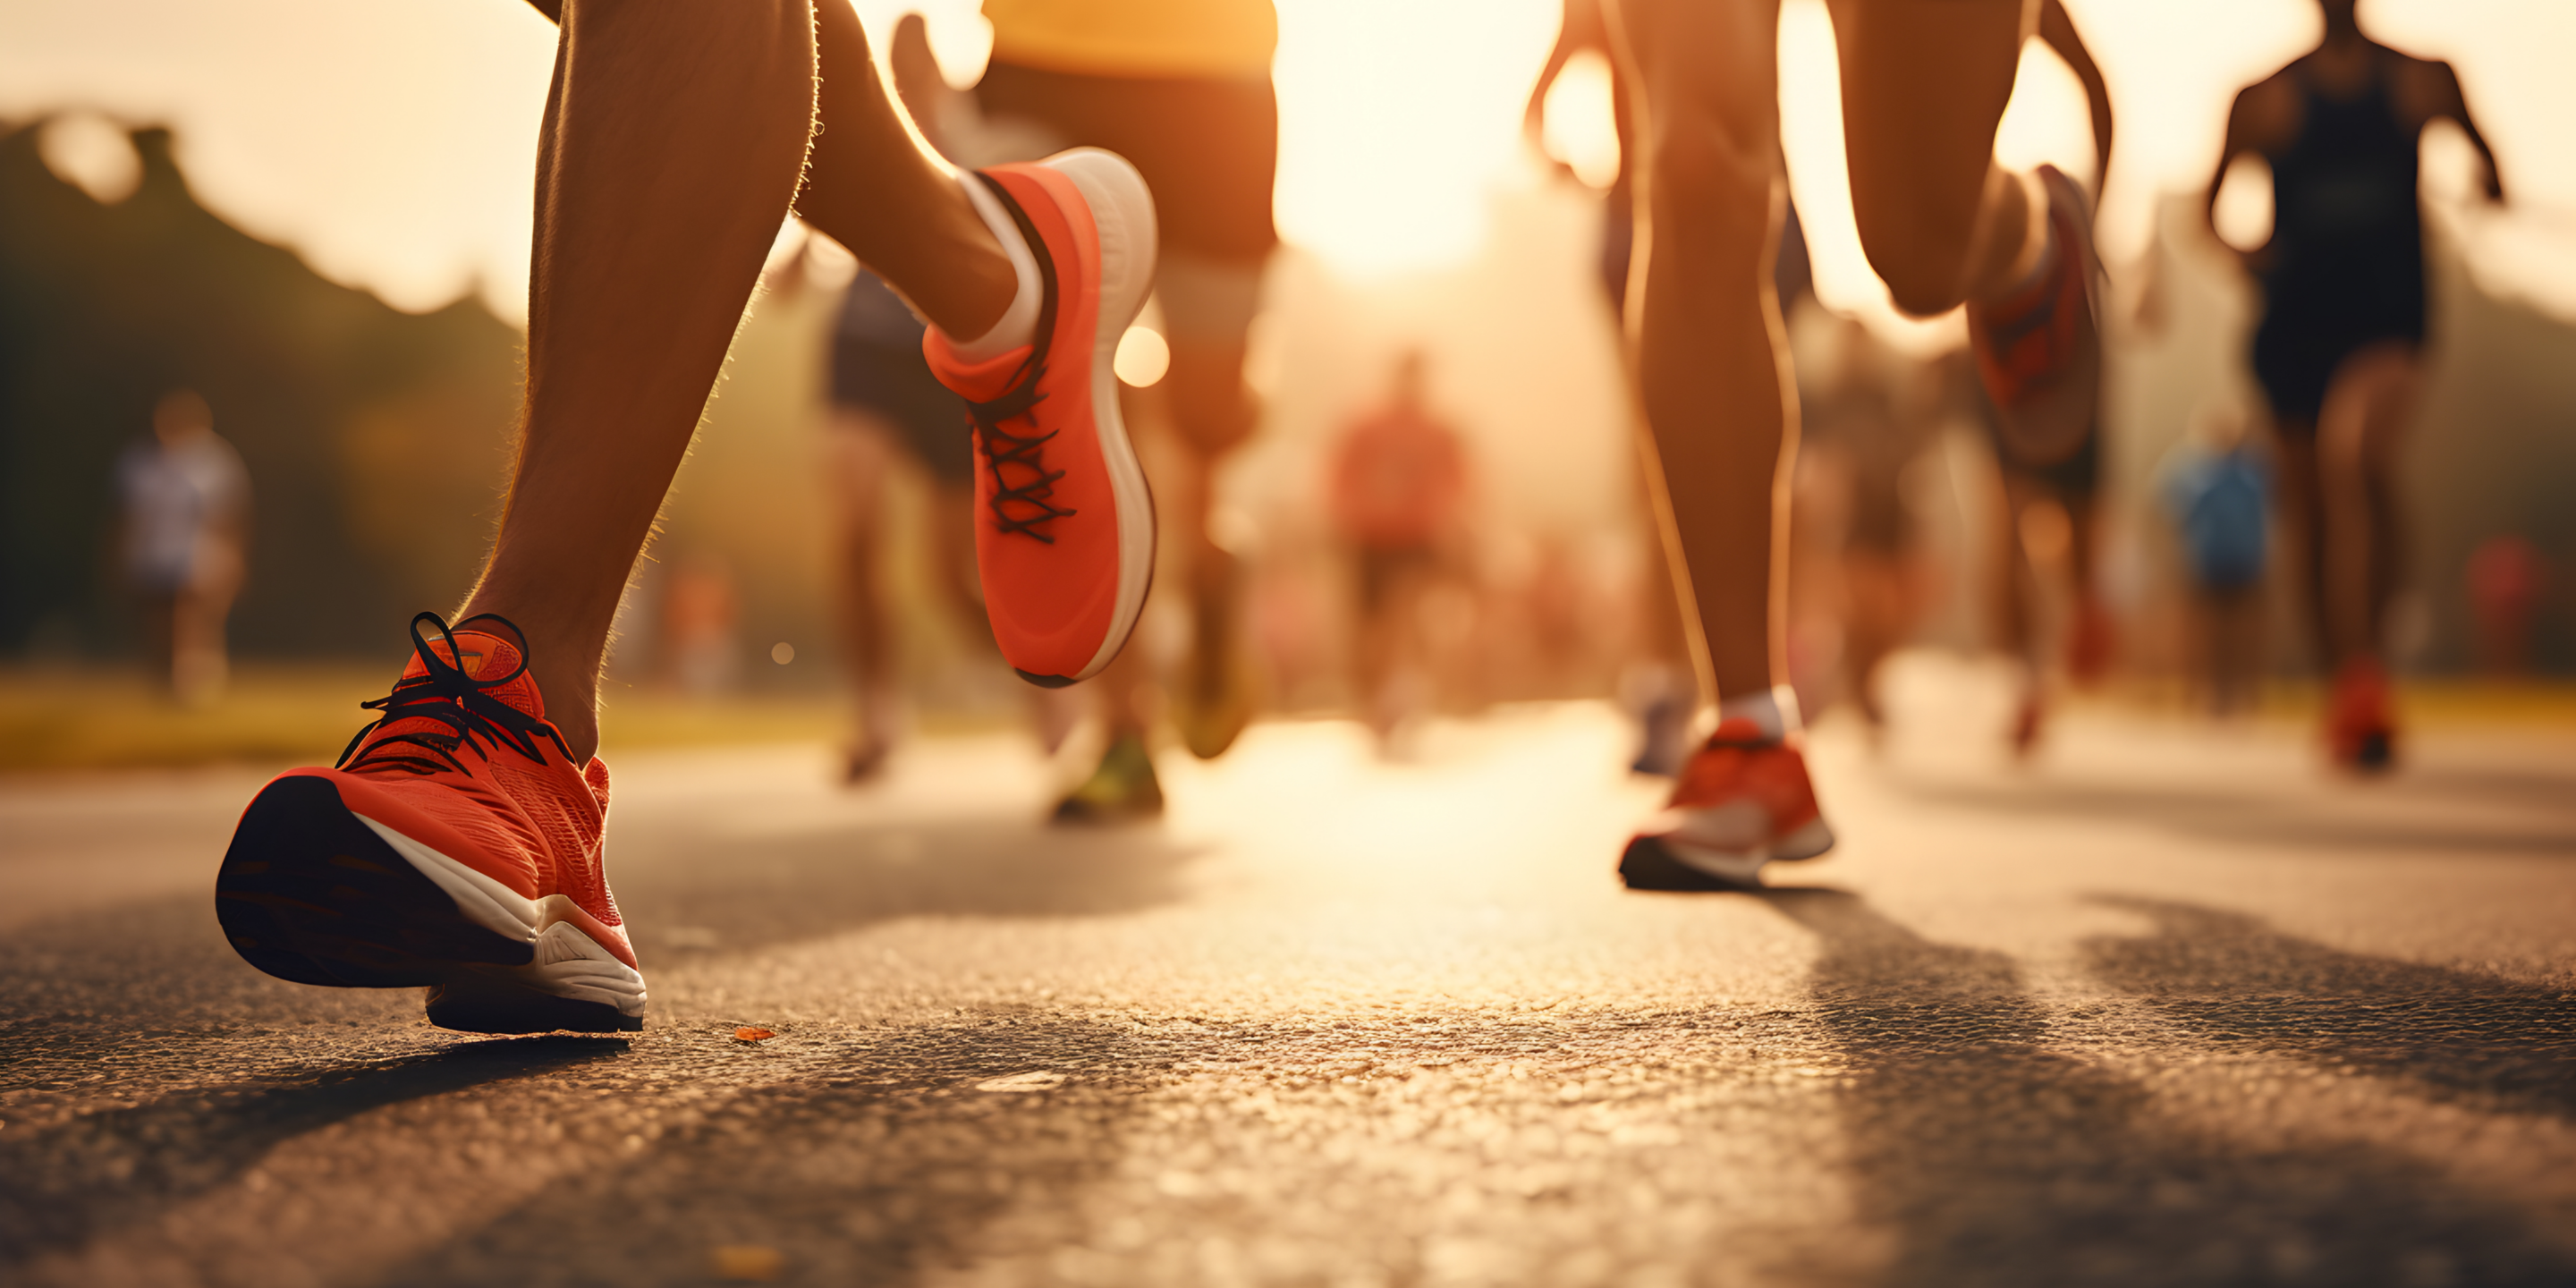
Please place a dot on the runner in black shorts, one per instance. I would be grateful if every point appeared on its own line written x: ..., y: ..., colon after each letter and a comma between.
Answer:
x: 2338, y: 350
x: 887, y: 408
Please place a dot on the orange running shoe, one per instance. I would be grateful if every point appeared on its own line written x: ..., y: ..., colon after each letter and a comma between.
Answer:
x: 455, y: 846
x: 2039, y: 347
x: 2361, y: 733
x: 1743, y: 801
x: 1066, y: 545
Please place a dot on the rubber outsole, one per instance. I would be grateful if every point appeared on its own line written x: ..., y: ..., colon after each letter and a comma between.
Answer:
x: 480, y: 1002
x: 1648, y: 865
x: 309, y: 893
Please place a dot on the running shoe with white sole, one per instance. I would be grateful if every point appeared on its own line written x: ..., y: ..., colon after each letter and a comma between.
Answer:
x: 1065, y: 538
x: 1122, y: 790
x: 1744, y: 801
x: 455, y: 846
x: 2039, y: 346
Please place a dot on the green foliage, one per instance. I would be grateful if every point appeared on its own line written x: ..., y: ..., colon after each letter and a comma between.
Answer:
x: 375, y: 439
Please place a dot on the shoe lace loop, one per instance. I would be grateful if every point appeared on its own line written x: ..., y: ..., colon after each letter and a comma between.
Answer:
x: 1025, y: 453
x: 445, y: 693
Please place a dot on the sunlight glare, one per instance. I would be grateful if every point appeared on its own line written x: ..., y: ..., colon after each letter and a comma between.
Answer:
x: 2048, y: 120
x: 93, y: 154
x: 1397, y: 120
x: 1582, y: 130
x: 1143, y: 357
x: 2244, y: 211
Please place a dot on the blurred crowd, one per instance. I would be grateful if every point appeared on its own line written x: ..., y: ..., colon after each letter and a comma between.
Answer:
x: 1403, y: 592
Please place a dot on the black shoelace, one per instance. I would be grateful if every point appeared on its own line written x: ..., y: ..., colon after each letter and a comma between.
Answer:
x: 1027, y: 506
x: 482, y: 723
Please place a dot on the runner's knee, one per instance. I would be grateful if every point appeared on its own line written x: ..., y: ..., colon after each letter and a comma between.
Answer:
x: 1713, y: 185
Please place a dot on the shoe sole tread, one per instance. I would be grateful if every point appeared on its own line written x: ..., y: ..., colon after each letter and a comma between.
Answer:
x: 309, y: 893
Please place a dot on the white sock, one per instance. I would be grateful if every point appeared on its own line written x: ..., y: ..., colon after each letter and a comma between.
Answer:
x: 1019, y: 324
x: 1774, y: 710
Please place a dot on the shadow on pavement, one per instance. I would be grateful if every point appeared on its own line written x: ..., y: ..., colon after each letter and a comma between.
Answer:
x: 1994, y: 1161
x: 881, y: 1165
x: 145, y: 982
x: 2245, y: 818
x: 2234, y: 981
x: 100, y: 1172
x: 755, y: 895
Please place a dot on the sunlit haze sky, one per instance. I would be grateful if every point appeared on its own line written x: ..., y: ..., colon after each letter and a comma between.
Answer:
x: 391, y: 141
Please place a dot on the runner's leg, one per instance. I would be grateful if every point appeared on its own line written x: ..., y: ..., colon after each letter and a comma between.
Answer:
x: 1924, y: 85
x: 887, y: 199
x: 2359, y: 432
x: 861, y: 451
x: 2303, y: 516
x: 673, y: 142
x: 1711, y: 364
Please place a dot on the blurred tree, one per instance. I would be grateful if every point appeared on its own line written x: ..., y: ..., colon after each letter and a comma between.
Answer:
x: 375, y: 439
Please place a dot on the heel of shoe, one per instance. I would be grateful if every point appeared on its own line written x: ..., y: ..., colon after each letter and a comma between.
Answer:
x: 309, y: 893
x: 574, y: 984
x: 1663, y: 864
x: 1122, y: 211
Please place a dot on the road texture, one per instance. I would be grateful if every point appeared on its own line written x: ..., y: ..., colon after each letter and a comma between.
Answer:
x: 2171, y: 1006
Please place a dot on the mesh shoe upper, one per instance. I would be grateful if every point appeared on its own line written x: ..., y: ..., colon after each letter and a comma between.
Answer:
x: 464, y: 762
x: 2030, y: 335
x: 1740, y: 791
x: 1063, y: 549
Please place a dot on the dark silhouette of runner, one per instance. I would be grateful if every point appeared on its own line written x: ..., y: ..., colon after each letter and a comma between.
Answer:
x: 2339, y: 349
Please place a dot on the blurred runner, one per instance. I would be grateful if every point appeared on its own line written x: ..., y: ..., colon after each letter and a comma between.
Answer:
x: 2338, y: 351
x: 187, y: 529
x: 1861, y: 574
x: 2046, y: 536
x: 1399, y: 477
x: 1655, y: 687
x: 457, y: 843
x: 1182, y: 89
x: 702, y: 624
x: 2217, y: 488
x: 2508, y: 581
x: 1583, y: 29
x: 888, y: 411
x: 1923, y: 88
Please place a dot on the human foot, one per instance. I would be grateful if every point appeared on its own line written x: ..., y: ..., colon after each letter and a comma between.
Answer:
x: 1744, y: 801
x: 1122, y: 790
x: 2038, y: 344
x: 1064, y: 542
x: 456, y: 845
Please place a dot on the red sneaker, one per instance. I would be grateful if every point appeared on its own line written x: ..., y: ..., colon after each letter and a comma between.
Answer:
x: 1743, y: 801
x: 1066, y: 551
x: 2360, y: 731
x: 455, y: 845
x: 2039, y: 347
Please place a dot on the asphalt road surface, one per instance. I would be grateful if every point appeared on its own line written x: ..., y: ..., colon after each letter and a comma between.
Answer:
x: 2171, y: 1006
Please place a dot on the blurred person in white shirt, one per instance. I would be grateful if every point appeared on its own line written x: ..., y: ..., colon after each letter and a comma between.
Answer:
x: 187, y: 524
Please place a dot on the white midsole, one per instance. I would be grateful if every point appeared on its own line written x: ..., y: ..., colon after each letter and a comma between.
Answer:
x: 567, y: 961
x: 1741, y: 868
x: 1743, y: 862
x: 1122, y: 208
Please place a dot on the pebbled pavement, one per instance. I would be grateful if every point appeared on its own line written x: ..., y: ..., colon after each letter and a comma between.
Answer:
x: 2170, y: 1006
